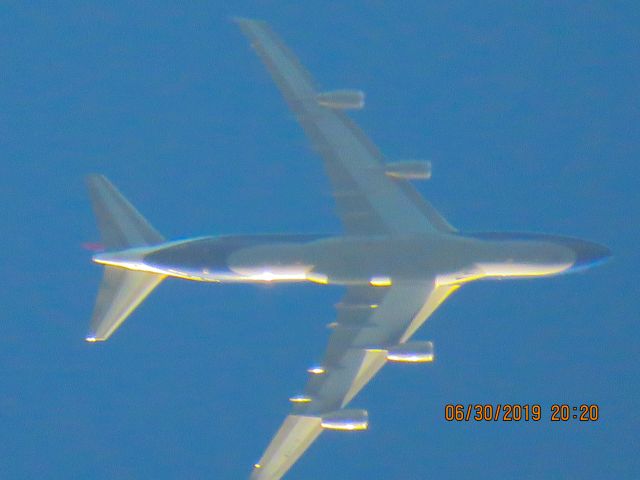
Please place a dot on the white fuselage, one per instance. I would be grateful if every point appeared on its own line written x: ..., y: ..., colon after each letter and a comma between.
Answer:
x: 378, y: 261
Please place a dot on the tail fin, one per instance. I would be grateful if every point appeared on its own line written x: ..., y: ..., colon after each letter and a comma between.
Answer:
x: 120, y: 224
x: 121, y: 227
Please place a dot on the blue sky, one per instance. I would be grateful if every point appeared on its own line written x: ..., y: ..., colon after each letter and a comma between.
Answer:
x: 529, y: 113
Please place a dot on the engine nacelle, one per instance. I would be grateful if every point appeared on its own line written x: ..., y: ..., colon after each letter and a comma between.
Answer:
x: 414, y: 352
x: 409, y: 169
x: 346, y: 420
x: 341, y: 99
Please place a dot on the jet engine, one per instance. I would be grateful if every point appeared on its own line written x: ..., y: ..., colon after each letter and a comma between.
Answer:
x: 414, y: 352
x: 409, y: 169
x: 341, y: 99
x: 346, y: 420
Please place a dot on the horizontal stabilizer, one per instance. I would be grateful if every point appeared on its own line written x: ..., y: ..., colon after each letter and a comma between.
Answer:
x: 121, y: 291
x: 121, y: 225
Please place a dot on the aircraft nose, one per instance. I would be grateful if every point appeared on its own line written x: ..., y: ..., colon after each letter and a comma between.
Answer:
x: 588, y: 254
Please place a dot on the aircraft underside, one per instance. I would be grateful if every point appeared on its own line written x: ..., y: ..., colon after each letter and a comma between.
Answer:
x: 375, y: 261
x: 398, y: 260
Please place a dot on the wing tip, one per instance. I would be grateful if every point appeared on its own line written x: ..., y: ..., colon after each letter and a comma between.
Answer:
x: 93, y: 178
x: 245, y: 21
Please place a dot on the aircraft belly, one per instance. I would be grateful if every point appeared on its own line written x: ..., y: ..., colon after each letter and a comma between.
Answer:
x: 210, y: 258
x: 376, y: 261
x: 344, y: 261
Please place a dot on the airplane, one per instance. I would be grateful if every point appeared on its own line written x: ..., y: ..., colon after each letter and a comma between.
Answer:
x: 398, y: 258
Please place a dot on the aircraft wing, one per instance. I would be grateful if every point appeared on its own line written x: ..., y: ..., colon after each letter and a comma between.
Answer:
x: 369, y: 202
x: 370, y: 319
